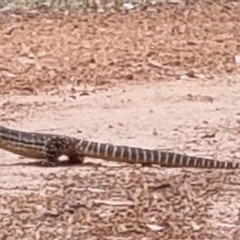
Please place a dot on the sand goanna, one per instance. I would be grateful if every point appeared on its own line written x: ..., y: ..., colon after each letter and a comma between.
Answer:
x: 49, y: 147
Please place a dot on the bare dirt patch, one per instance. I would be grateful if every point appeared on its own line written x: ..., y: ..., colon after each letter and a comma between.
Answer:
x: 118, y: 201
x: 79, y: 57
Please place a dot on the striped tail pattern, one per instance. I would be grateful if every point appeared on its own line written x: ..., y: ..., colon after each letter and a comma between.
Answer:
x: 146, y: 156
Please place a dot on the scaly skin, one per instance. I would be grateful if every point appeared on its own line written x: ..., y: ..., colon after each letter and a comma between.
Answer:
x: 49, y: 147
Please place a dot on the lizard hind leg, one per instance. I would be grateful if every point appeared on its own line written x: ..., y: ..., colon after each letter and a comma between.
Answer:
x: 62, y: 146
x: 74, y: 158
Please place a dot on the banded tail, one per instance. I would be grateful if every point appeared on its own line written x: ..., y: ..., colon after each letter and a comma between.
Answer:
x: 146, y: 156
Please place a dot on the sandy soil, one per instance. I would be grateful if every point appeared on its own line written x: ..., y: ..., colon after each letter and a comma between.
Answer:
x: 101, y: 78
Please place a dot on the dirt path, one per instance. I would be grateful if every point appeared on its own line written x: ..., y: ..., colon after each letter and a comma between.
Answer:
x: 165, y: 78
x: 118, y: 200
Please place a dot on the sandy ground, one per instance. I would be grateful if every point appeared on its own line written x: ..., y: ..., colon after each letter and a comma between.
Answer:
x: 194, y: 110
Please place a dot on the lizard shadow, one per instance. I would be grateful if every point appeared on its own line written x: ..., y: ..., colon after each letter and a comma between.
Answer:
x: 40, y: 164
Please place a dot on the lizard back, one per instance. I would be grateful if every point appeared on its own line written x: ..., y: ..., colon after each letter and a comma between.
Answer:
x: 28, y: 144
